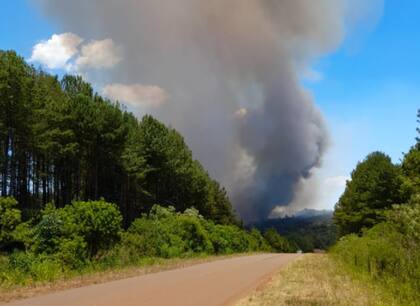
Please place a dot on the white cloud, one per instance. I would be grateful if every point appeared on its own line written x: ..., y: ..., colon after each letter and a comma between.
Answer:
x: 67, y: 51
x: 99, y: 54
x: 56, y: 52
x: 137, y: 95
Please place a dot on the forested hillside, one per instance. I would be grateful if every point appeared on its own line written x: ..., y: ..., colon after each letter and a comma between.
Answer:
x: 60, y: 141
x: 378, y: 219
x: 307, y: 232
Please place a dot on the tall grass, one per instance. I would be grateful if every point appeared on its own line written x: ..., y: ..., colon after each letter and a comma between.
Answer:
x: 388, y: 253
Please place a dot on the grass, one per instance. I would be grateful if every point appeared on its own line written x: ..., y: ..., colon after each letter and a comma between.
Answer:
x: 315, y: 280
x: 88, y: 277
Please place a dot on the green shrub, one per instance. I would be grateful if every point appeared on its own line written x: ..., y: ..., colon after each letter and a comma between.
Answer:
x: 72, y: 253
x: 164, y: 233
x: 220, y: 239
x: 49, y: 231
x: 191, y: 231
x: 130, y: 250
x: 406, y: 219
x: 97, y: 223
x: 87, y: 236
x: 278, y: 242
x: 155, y: 238
x: 388, y: 252
x: 25, y: 268
x: 24, y: 234
x: 10, y: 218
x: 227, y: 239
x: 257, y: 241
x: 21, y: 261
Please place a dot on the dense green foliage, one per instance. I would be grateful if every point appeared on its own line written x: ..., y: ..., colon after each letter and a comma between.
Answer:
x: 85, y: 226
x: 278, y: 242
x: 165, y: 233
x: 10, y: 218
x: 87, y: 236
x: 59, y: 142
x: 389, y: 252
x: 411, y: 172
x: 374, y: 186
x: 384, y: 243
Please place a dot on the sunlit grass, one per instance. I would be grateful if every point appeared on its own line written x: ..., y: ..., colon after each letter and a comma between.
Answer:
x: 316, y: 280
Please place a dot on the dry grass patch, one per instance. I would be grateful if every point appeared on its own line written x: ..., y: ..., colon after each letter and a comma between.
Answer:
x: 315, y: 279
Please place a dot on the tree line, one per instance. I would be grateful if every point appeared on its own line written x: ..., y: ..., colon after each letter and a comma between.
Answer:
x: 308, y: 233
x: 378, y: 220
x: 60, y: 141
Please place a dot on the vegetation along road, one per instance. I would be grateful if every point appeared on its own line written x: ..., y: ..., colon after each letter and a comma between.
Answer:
x: 216, y: 283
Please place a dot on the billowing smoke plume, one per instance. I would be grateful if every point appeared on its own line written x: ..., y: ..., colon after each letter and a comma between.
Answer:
x: 230, y: 71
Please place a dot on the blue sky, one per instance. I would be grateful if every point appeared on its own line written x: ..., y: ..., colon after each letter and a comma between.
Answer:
x: 375, y: 90
x: 22, y: 26
x: 369, y: 92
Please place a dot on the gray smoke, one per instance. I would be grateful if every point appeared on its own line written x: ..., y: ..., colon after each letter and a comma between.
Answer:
x: 231, y: 69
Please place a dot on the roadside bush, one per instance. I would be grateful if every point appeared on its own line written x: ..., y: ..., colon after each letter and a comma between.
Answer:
x: 228, y: 239
x: 257, y: 242
x: 390, y: 251
x: 99, y: 223
x: 406, y: 219
x: 10, y: 218
x: 378, y: 252
x: 278, y: 242
x: 24, y: 268
x: 130, y: 250
x: 155, y: 239
x: 87, y: 236
x: 55, y: 238
x: 72, y: 253
x: 191, y: 230
x: 164, y: 233
x: 24, y: 234
x: 49, y: 231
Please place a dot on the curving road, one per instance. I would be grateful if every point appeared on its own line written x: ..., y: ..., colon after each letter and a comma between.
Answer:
x: 219, y: 282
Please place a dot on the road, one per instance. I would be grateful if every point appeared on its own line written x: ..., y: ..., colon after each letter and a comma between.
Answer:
x: 220, y: 282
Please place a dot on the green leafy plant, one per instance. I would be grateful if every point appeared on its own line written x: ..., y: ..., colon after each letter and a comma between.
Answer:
x: 10, y: 218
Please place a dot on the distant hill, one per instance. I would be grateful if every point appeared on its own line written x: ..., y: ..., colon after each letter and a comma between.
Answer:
x: 309, y: 228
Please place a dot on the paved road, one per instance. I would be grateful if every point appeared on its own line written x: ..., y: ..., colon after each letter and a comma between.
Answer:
x: 215, y: 283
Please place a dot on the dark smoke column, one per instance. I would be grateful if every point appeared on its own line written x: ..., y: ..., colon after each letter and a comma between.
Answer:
x: 294, y: 141
x: 231, y: 69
